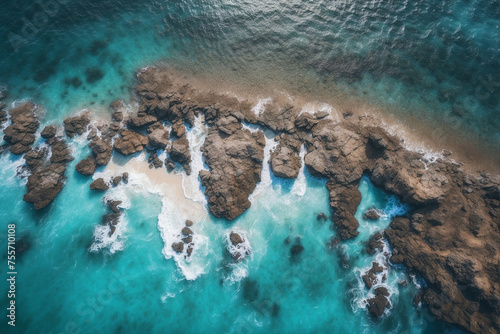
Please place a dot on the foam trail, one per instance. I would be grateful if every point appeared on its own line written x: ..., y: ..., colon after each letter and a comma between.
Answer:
x: 300, y: 185
x: 170, y: 224
x: 261, y: 106
x: 265, y: 180
x: 102, y: 239
x: 190, y: 183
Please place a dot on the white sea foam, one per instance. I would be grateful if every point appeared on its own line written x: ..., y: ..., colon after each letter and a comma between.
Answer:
x: 315, y: 107
x: 261, y: 105
x: 300, y: 185
x: 266, y: 180
x: 191, y: 183
x: 170, y: 223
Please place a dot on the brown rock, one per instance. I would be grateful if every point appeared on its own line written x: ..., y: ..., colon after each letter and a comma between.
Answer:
x: 178, y: 247
x: 180, y: 153
x: 189, y: 223
x: 86, y: 166
x: 43, y: 186
x: 158, y: 139
x: 48, y: 132
x: 20, y: 134
x: 99, y: 185
x: 236, y: 239
x: 116, y: 180
x: 235, y: 164
x: 187, y: 231
x: 76, y: 125
x: 101, y: 148
x: 371, y: 214
x: 130, y: 142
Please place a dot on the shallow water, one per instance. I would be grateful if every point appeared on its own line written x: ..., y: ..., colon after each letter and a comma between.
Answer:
x: 430, y: 65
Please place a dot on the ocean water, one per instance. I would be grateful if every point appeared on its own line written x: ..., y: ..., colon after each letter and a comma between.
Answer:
x: 428, y: 64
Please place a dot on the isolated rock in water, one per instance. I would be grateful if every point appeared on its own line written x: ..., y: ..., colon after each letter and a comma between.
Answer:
x: 21, y: 133
x: 180, y: 153
x: 189, y: 222
x: 235, y: 238
x: 372, y: 214
x: 178, y: 247
x: 130, y: 142
x: 86, y: 166
x: 158, y: 139
x: 48, y: 132
x: 99, y: 185
x: 125, y: 177
x: 45, y: 185
x: 378, y: 304
x: 321, y: 217
x: 285, y: 161
x: 102, y: 150
x: 116, y: 180
x: 235, y: 164
x: 76, y: 125
x: 187, y: 231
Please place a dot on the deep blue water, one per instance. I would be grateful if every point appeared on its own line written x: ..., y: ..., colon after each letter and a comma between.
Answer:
x: 436, y: 62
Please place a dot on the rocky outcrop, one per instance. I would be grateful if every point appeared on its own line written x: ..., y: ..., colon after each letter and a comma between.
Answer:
x: 285, y: 161
x: 235, y: 164
x: 112, y: 218
x: 370, y: 278
x: 43, y: 186
x: 86, y: 166
x: 158, y: 139
x: 99, y: 185
x: 378, y: 304
x: 130, y: 142
x: 76, y: 125
x: 372, y: 214
x: 47, y: 176
x: 235, y: 238
x: 48, y: 132
x: 21, y: 133
x: 451, y: 237
x: 101, y: 149
x: 179, y: 152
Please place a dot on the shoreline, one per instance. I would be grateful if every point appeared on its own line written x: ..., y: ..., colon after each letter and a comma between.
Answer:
x: 417, y: 135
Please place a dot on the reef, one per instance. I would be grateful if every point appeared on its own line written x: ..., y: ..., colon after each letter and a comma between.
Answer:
x: 450, y: 237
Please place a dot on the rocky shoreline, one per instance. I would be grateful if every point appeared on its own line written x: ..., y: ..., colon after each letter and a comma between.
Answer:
x: 451, y: 237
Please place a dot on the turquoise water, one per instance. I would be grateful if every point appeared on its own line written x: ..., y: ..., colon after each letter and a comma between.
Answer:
x: 434, y: 61
x: 435, y: 64
x: 64, y: 288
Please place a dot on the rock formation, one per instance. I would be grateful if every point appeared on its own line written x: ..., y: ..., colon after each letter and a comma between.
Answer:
x: 76, y: 125
x: 21, y: 133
